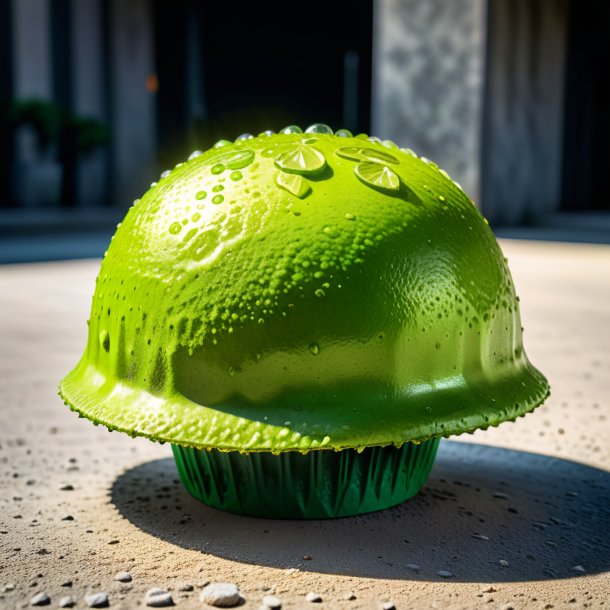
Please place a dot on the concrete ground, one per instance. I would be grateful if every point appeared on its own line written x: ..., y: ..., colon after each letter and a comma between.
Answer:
x: 514, y: 517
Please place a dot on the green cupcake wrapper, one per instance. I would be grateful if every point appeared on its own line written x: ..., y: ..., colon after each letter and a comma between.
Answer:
x: 315, y: 485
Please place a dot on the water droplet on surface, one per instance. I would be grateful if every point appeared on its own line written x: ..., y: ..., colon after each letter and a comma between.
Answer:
x: 294, y: 184
x: 292, y: 129
x: 319, y: 128
x: 104, y: 338
x: 377, y: 176
x: 218, y: 188
x: 175, y: 228
x: 349, y: 216
x: 389, y: 144
x: 237, y: 159
x: 166, y: 173
x: 301, y: 159
x: 314, y: 348
x: 153, y: 184
x: 195, y: 154
x: 196, y: 216
x: 217, y: 199
x: 441, y: 198
x: 236, y: 175
x: 362, y: 153
x: 222, y: 143
x: 320, y: 293
x: 218, y: 169
x: 244, y: 136
x: 267, y: 133
x: 200, y: 195
x: 344, y: 133
x: 409, y: 152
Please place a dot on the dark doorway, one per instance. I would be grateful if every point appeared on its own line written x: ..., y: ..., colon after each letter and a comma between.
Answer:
x: 586, y: 158
x: 261, y: 65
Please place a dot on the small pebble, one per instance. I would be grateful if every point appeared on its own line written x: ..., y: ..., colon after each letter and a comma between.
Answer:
x: 40, y: 599
x: 8, y: 587
x: 67, y: 602
x: 350, y: 596
x: 271, y: 601
x: 445, y: 573
x: 579, y: 569
x: 413, y: 566
x: 388, y: 606
x: 66, y: 487
x: 314, y: 598
x: 221, y: 595
x: 97, y: 600
x: 500, y: 496
x: 185, y: 588
x: 480, y: 536
x: 68, y: 518
x: 66, y: 583
x: 491, y: 589
x: 504, y: 563
x: 158, y: 598
x: 123, y: 577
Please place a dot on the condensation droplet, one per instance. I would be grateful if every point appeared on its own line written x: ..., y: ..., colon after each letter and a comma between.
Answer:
x: 377, y: 176
x: 267, y: 133
x: 292, y: 129
x: 195, y: 154
x: 319, y: 128
x: 218, y: 188
x: 222, y: 143
x: 244, y: 136
x: 236, y: 175
x: 294, y: 184
x: 409, y: 151
x: 237, y: 159
x: 104, y: 338
x: 314, y: 348
x: 175, y: 228
x: 166, y: 173
x: 363, y: 153
x: 217, y: 199
x: 196, y: 216
x: 344, y: 133
x: 200, y: 195
x: 218, y: 169
x: 301, y: 159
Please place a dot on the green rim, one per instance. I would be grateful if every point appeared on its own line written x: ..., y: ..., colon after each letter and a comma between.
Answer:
x: 316, y: 485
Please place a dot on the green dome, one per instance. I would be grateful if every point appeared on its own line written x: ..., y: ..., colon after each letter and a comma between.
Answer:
x: 299, y: 291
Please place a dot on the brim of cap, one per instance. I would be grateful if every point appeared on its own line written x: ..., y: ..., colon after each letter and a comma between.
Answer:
x: 354, y: 416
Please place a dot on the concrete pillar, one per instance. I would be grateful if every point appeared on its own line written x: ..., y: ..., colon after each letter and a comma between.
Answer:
x: 428, y: 60
x: 133, y: 155
x: 89, y: 95
x: 523, y: 119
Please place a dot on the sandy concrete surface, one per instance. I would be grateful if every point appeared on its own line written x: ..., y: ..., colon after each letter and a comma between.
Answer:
x: 515, y: 517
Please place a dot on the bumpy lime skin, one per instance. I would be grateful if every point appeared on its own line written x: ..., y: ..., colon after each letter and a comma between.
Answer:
x: 259, y: 299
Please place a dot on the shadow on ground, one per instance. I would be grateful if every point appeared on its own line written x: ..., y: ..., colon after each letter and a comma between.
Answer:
x: 482, y: 507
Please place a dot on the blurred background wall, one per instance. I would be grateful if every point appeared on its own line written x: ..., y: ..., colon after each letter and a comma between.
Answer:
x: 98, y: 96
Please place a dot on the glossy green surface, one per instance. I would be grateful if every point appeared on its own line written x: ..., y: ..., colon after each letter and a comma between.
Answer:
x: 280, y: 293
x: 314, y: 485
